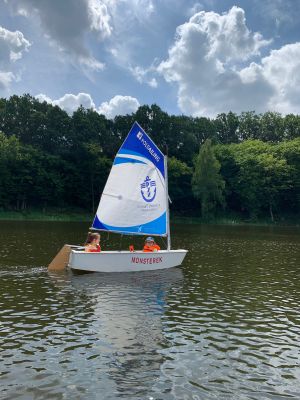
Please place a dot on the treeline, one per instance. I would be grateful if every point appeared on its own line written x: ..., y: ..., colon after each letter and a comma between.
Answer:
x: 250, y: 164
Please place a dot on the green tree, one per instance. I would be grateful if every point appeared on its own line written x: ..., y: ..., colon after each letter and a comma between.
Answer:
x: 227, y: 128
x: 276, y: 175
x: 229, y: 171
x: 49, y: 158
x: 180, y: 190
x: 272, y: 129
x: 249, y: 126
x: 207, y: 183
x: 290, y: 151
x: 203, y: 128
x: 291, y: 124
x: 262, y: 177
x: 37, y: 181
x: 9, y: 156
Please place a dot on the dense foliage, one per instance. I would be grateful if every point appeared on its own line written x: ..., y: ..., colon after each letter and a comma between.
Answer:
x: 250, y: 164
x: 207, y: 183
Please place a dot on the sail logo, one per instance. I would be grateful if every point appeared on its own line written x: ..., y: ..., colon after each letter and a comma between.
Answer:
x: 148, y: 190
x: 148, y: 146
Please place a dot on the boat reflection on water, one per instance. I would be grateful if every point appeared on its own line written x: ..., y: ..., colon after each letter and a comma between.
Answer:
x: 127, y: 321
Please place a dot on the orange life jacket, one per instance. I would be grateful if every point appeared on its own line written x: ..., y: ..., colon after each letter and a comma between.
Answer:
x: 97, y: 250
x: 148, y: 249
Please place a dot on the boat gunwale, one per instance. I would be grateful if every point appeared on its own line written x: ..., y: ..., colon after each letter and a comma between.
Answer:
x: 152, y: 253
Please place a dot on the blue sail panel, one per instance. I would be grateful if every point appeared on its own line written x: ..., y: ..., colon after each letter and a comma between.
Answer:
x: 156, y: 227
x: 139, y: 143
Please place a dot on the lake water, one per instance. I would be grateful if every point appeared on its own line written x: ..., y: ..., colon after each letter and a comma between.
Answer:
x: 226, y: 325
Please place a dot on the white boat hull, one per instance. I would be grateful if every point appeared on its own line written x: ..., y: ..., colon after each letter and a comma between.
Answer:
x: 125, y: 261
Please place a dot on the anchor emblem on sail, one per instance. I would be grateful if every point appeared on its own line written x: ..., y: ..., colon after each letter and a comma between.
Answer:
x: 148, y: 190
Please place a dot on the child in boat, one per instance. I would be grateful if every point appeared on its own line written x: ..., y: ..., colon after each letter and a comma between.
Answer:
x: 150, y: 245
x: 92, y: 244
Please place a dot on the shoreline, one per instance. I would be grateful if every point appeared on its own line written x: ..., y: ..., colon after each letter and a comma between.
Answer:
x: 54, y: 216
x: 229, y: 221
x: 81, y: 216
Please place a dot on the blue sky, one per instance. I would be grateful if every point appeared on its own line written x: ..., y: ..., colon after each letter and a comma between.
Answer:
x: 195, y: 58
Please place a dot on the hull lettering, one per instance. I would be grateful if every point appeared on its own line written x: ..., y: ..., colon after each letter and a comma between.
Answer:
x: 144, y: 260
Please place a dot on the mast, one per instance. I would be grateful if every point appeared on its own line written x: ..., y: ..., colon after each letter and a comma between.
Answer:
x: 167, y: 203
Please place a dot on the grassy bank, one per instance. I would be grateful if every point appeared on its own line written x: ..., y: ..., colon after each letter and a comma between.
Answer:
x: 83, y: 216
x: 238, y: 220
x: 48, y: 215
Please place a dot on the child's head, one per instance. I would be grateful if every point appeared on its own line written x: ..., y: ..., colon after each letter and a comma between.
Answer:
x: 149, y: 241
x: 92, y: 237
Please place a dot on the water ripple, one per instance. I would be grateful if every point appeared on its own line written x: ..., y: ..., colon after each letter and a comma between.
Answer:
x: 226, y: 326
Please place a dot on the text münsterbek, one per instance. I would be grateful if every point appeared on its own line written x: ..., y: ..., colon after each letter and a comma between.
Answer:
x: 152, y: 260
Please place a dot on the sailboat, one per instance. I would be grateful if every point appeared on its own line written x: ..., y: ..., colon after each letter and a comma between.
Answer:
x: 135, y: 201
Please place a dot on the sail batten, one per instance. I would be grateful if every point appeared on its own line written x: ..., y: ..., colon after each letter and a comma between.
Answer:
x: 134, y: 197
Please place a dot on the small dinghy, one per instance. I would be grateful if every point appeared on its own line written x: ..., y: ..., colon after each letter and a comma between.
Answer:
x: 134, y: 201
x: 125, y: 261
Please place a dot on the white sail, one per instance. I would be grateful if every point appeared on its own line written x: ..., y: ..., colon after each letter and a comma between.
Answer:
x: 134, y: 198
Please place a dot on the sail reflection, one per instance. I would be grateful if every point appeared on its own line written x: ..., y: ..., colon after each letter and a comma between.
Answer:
x: 128, y: 311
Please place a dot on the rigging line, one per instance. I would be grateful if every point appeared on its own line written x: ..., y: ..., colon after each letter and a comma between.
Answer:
x: 106, y: 239
x: 164, y: 243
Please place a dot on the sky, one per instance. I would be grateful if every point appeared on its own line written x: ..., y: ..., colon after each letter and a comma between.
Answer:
x: 197, y: 58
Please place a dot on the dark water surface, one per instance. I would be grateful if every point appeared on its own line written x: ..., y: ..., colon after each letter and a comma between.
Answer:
x: 226, y: 325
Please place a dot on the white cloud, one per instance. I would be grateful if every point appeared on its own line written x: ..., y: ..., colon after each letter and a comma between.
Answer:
x: 91, y: 63
x: 282, y: 12
x: 66, y: 23
x: 42, y: 97
x: 227, y: 36
x: 5, y: 79
x: 131, y: 19
x: 143, y: 75
x: 12, y: 46
x: 119, y: 105
x: 100, y: 20
x: 129, y: 11
x: 281, y: 68
x: 204, y: 62
x: 197, y: 7
x: 69, y: 102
